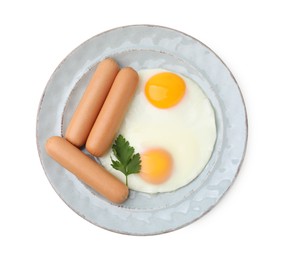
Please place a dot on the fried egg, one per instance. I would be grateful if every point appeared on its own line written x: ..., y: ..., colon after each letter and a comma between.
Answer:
x: 171, y: 123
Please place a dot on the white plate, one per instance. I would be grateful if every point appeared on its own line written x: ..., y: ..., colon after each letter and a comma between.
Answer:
x: 146, y: 46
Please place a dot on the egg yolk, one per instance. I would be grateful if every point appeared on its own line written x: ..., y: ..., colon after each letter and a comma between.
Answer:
x: 156, y: 166
x: 165, y: 90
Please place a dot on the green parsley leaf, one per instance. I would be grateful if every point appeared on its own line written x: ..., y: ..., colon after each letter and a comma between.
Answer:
x: 134, y: 165
x: 127, y: 162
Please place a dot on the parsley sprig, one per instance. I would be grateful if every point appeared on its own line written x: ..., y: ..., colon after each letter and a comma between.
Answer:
x: 127, y: 162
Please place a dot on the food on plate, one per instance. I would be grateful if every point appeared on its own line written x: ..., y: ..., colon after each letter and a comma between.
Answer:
x: 113, y: 112
x: 86, y: 169
x: 165, y: 89
x: 157, y: 165
x: 126, y: 161
x: 91, y: 102
x: 166, y: 118
x: 173, y: 129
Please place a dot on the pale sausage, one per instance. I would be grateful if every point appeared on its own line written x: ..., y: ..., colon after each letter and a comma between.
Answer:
x: 91, y: 102
x: 112, y: 113
x: 86, y: 169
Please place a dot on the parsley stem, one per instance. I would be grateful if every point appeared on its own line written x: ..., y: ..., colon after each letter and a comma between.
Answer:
x: 127, y: 180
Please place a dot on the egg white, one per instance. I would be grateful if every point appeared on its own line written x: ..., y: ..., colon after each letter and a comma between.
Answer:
x: 187, y: 131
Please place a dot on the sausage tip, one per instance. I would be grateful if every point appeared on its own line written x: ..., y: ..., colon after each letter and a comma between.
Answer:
x: 110, y: 60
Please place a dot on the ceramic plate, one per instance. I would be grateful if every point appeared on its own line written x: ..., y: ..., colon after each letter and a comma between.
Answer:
x: 141, y: 47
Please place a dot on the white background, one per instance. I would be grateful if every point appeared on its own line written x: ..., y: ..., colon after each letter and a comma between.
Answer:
x: 247, y: 223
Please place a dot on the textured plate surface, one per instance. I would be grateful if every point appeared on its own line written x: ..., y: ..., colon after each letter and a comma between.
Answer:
x: 141, y: 47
